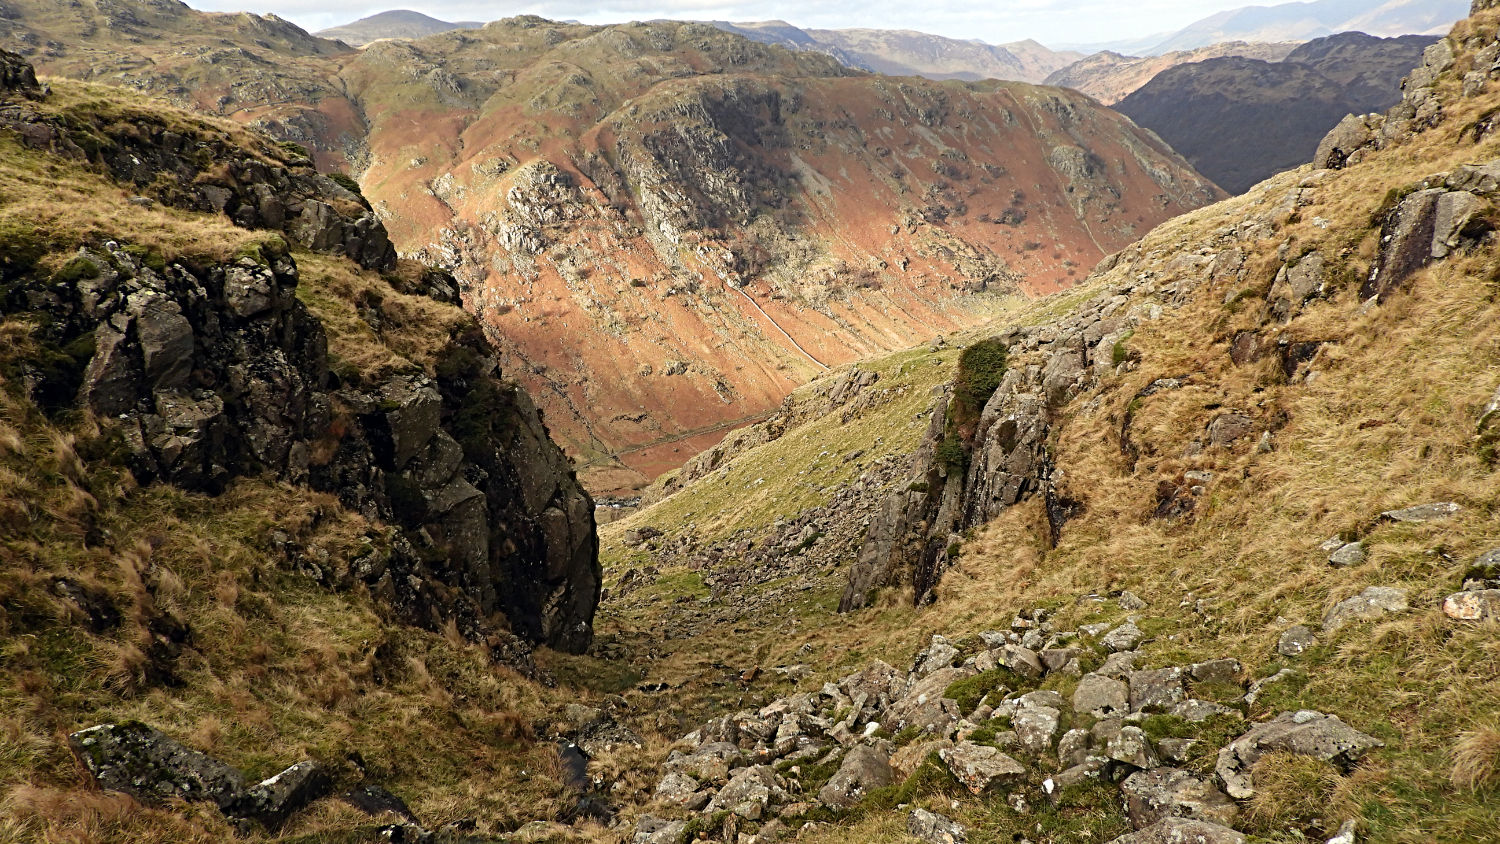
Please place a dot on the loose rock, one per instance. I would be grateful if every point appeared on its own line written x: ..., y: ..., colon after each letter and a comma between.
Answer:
x: 1368, y: 605
x: 1306, y: 733
x: 1295, y: 641
x: 934, y: 828
x: 865, y: 768
x: 1171, y: 792
x: 980, y: 767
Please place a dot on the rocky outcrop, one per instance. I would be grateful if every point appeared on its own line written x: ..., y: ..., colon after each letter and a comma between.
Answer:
x: 1305, y: 733
x: 213, y: 371
x: 257, y: 185
x: 18, y: 76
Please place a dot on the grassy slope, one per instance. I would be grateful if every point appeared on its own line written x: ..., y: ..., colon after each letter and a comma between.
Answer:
x: 1388, y: 423
x: 278, y: 668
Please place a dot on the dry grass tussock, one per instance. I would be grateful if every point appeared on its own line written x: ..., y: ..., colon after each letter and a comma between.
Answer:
x: 1476, y: 757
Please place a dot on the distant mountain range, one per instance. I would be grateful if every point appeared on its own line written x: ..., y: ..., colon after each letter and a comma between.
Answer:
x: 399, y: 23
x: 1110, y: 77
x: 1241, y: 120
x: 1297, y: 22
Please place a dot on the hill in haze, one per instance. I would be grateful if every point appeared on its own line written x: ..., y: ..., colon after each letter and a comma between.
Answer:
x: 398, y: 23
x: 1239, y: 120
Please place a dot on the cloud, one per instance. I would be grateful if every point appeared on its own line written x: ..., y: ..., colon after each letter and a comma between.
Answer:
x: 1048, y: 21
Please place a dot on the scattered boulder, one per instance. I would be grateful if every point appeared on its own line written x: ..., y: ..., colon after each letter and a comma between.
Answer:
x: 750, y: 792
x: 1368, y: 605
x: 1156, y: 690
x: 143, y: 762
x: 1182, y: 831
x: 1306, y: 733
x: 1221, y: 671
x: 934, y: 828
x: 1118, y: 665
x: 1130, y: 602
x: 1435, y: 512
x: 1131, y: 747
x: 1035, y: 726
x: 980, y: 767
x: 677, y: 787
x: 272, y: 801
x: 864, y: 769
x: 1023, y: 661
x: 1123, y: 638
x: 1101, y: 696
x: 1350, y: 554
x: 1296, y: 640
x: 1172, y: 792
x: 1228, y: 427
x: 1476, y: 605
x: 651, y: 830
x: 1199, y: 711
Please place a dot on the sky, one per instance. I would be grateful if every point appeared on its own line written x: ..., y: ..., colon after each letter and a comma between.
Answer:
x: 995, y: 21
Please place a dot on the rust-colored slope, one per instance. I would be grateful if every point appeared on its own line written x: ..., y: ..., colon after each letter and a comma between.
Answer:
x: 668, y: 227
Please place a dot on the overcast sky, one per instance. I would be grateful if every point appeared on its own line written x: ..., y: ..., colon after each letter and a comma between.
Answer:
x: 995, y: 21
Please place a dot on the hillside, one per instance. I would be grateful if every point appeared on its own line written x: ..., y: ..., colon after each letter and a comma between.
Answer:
x: 665, y: 228
x: 1110, y: 77
x: 265, y: 501
x: 1240, y: 120
x: 398, y: 23
x: 1202, y: 550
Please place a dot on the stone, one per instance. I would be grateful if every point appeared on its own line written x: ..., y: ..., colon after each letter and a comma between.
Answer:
x: 1345, y: 835
x: 1476, y: 605
x: 1334, y: 150
x: 937, y: 656
x: 863, y: 769
x: 651, y: 830
x: 934, y: 828
x: 1406, y: 244
x: 710, y: 762
x: 1073, y: 747
x: 677, y: 787
x: 1198, y: 711
x: 924, y: 705
x: 907, y: 759
x: 1172, y: 792
x: 980, y: 767
x: 1131, y: 747
x: 17, y: 74
x: 749, y: 793
x: 144, y: 763
x: 165, y: 337
x: 1350, y: 554
x: 1130, y: 602
x: 1123, y: 638
x: 1423, y: 513
x: 1259, y: 686
x: 1182, y: 831
x: 1368, y: 605
x: 1295, y: 641
x: 1058, y: 659
x: 1091, y: 768
x: 1220, y: 671
x: 1178, y: 751
x: 1024, y: 661
x: 1228, y: 427
x: 1305, y: 733
x: 271, y: 801
x: 1101, y: 696
x: 1156, y: 690
x: 1455, y: 210
x: 1118, y: 665
x: 1035, y: 726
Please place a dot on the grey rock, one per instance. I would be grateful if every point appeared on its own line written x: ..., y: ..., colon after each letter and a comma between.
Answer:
x: 934, y: 828
x: 1161, y: 793
x: 676, y: 787
x: 980, y: 767
x: 1101, y: 696
x: 140, y: 761
x: 1220, y: 671
x: 1073, y: 747
x: 1035, y: 726
x: 1156, y: 690
x: 1228, y: 427
x: 1455, y: 210
x: 1343, y: 140
x: 749, y: 793
x: 1295, y: 641
x: 1259, y: 686
x: 1201, y: 710
x: 1024, y: 661
x: 1305, y: 733
x: 1406, y: 244
x: 1118, y: 665
x: 938, y: 655
x: 272, y: 801
x: 1130, y: 602
x: 1345, y: 835
x: 1350, y: 554
x: 1091, y: 768
x: 1044, y: 697
x: 1132, y: 748
x: 863, y: 770
x: 1057, y: 659
x: 1371, y: 604
x: 1182, y: 831
x: 1421, y: 513
x: 1123, y: 638
x: 652, y: 830
x: 1176, y: 750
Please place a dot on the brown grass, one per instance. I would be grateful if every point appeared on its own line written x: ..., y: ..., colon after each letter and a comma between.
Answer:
x: 1476, y: 757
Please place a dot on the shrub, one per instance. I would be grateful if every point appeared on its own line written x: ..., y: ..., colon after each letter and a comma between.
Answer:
x: 346, y: 182
x: 980, y: 369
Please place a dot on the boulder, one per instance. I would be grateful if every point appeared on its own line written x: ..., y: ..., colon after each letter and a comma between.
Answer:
x: 681, y: 789
x: 1024, y: 661
x: 1123, y: 638
x: 934, y: 828
x: 980, y: 767
x: 651, y: 830
x: 271, y: 801
x: 937, y: 656
x: 1118, y: 665
x: 1295, y: 641
x: 1101, y: 696
x: 140, y: 761
x: 1131, y: 747
x: 1156, y: 690
x: 749, y: 793
x: 1421, y: 513
x: 1343, y: 140
x: 863, y: 770
x: 1306, y: 733
x: 1059, y: 659
x: 1350, y: 554
x: 1182, y: 831
x: 1172, y: 792
x: 1220, y: 671
x: 1476, y: 605
x: 1073, y: 747
x: 17, y: 75
x: 1091, y: 768
x: 1228, y: 427
x: 1198, y: 711
x: 1368, y: 605
x: 1130, y: 602
x: 1406, y: 243
x: 1035, y: 726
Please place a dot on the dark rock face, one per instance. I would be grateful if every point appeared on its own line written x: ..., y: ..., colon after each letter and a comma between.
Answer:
x: 216, y: 371
x: 17, y: 74
x: 269, y: 189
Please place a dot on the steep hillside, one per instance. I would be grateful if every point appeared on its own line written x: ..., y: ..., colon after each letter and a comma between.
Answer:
x: 1110, y: 77
x: 664, y: 227
x: 398, y: 23
x: 692, y: 224
x: 909, y: 53
x: 1240, y: 120
x: 1201, y: 551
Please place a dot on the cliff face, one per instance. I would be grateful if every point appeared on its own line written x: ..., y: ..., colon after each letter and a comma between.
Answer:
x: 214, y: 370
x: 664, y: 227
